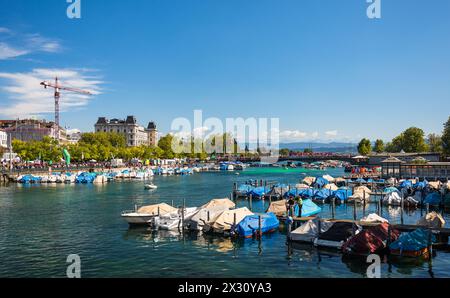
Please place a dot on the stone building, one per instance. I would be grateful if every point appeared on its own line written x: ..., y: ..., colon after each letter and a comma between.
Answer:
x: 31, y: 129
x: 3, y: 139
x: 135, y: 134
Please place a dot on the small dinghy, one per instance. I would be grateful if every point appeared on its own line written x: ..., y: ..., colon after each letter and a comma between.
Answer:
x: 337, y: 235
x: 150, y: 186
x: 413, y: 244
x: 250, y: 225
x: 145, y: 214
x: 372, y: 240
x: 432, y: 220
x: 205, y: 216
x: 309, y: 231
x: 394, y: 198
x: 173, y: 220
x: 226, y: 220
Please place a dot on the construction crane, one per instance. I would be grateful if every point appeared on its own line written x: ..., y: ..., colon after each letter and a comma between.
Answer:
x: 57, y: 88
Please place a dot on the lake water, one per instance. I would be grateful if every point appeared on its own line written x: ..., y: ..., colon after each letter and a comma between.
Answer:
x: 40, y: 225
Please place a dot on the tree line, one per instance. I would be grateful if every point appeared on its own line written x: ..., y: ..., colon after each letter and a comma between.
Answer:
x: 104, y: 146
x: 412, y: 140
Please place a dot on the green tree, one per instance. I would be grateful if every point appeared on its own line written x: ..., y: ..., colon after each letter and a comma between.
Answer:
x: 446, y: 138
x: 411, y: 140
x: 165, y: 143
x: 284, y: 152
x: 434, y: 143
x: 364, y: 147
x: 414, y: 140
x: 307, y: 150
x: 379, y: 146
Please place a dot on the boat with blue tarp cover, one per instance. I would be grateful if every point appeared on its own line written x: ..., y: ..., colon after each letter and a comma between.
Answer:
x: 309, y: 208
x: 249, y: 226
x: 258, y: 192
x: 434, y: 199
x: 413, y: 244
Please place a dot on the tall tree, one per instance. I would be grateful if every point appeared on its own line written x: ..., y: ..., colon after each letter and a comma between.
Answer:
x: 411, y: 140
x: 446, y: 138
x: 284, y: 152
x: 165, y: 143
x: 434, y: 142
x: 364, y: 147
x: 414, y: 140
x: 379, y: 146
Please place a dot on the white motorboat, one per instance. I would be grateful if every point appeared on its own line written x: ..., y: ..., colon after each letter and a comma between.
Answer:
x: 150, y: 186
x: 173, y: 220
x: 144, y: 215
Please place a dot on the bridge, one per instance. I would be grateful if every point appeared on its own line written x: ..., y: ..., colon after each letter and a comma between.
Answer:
x: 308, y: 158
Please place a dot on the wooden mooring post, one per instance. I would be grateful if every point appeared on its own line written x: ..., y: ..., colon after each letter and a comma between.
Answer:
x: 333, y: 206
x: 364, y: 203
x: 259, y: 226
x: 380, y: 207
x: 402, y: 206
x: 250, y: 202
x: 354, y: 209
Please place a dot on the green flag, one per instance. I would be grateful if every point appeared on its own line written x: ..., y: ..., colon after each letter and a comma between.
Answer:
x: 66, y: 156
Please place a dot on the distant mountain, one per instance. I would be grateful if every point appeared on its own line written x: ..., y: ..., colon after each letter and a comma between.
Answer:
x: 338, y: 147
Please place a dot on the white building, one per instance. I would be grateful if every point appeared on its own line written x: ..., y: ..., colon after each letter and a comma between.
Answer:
x: 3, y: 139
x: 135, y: 134
x: 73, y: 136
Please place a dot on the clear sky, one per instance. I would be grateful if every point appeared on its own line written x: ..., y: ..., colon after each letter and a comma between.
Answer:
x: 321, y: 66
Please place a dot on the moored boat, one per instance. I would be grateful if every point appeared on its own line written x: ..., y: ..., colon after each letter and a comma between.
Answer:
x: 144, y: 215
x: 253, y: 224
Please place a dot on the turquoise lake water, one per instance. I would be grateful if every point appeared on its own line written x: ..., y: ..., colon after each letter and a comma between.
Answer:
x: 40, y: 225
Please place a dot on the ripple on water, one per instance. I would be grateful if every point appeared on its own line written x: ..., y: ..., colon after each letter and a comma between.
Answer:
x: 42, y: 225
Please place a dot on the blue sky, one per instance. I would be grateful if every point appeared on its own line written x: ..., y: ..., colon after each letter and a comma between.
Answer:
x: 321, y: 66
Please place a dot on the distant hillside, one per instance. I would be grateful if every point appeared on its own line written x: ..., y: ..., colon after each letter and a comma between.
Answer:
x: 337, y: 147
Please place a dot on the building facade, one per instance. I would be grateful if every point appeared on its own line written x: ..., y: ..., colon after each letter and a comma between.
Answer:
x: 428, y: 170
x: 31, y: 129
x: 3, y: 139
x: 135, y: 134
x: 378, y: 158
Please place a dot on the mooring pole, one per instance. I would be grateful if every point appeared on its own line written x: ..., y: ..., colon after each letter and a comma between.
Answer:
x: 430, y: 244
x: 402, y: 205
x: 259, y: 226
x: 250, y: 202
x: 379, y: 206
x: 333, y: 206
x: 364, y: 203
x: 354, y: 209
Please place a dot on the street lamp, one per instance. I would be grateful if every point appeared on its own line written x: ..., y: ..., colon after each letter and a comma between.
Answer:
x: 10, y: 152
